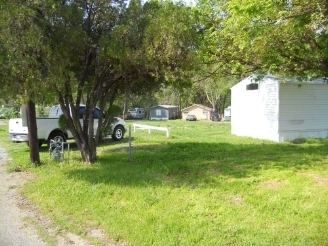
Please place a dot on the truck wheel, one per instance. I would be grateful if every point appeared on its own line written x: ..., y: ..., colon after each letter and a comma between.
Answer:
x: 118, y: 133
x: 57, y: 137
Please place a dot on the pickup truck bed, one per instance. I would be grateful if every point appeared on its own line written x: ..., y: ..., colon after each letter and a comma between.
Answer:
x: 46, y: 126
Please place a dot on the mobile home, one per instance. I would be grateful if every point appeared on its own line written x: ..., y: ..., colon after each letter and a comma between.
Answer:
x: 279, y: 109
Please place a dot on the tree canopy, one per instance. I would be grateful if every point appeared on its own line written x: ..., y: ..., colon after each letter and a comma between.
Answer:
x: 283, y: 37
x: 96, y: 51
x: 93, y: 51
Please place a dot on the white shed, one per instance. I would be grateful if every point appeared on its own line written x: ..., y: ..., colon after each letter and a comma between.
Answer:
x: 277, y: 109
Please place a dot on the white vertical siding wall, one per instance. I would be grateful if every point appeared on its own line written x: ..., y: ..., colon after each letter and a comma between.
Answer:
x: 268, y: 124
x: 279, y: 111
x: 242, y: 107
x: 254, y: 113
x: 303, y: 111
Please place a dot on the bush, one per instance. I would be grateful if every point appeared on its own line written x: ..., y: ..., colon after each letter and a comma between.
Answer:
x: 7, y: 113
x: 42, y: 111
x: 63, y: 123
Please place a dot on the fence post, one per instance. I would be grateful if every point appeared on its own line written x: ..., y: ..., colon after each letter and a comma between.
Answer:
x: 130, y: 154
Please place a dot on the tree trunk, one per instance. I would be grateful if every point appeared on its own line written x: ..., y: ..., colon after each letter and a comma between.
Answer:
x: 85, y: 144
x: 88, y: 153
x: 32, y: 133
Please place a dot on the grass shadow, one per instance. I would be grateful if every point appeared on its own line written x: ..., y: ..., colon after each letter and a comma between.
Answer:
x: 192, y: 164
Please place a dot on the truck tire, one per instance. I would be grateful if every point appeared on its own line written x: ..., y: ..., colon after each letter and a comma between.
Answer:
x: 118, y: 133
x: 57, y: 136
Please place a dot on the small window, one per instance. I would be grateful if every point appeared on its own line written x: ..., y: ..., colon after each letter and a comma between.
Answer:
x: 81, y: 111
x: 251, y: 87
x: 158, y: 112
x: 205, y: 112
x: 185, y: 112
x: 96, y: 113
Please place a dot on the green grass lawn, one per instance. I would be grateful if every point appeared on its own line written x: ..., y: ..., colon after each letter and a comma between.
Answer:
x: 200, y: 186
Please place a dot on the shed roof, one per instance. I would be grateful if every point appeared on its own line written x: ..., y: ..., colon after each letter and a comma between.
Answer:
x: 257, y: 78
x: 165, y: 106
x: 198, y: 105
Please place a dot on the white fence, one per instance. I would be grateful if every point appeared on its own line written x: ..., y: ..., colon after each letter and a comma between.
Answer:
x: 149, y: 128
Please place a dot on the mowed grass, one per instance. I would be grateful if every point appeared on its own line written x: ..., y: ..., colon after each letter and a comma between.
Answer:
x: 200, y: 186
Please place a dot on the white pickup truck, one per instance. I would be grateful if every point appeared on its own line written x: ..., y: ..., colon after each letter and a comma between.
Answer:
x: 48, y: 128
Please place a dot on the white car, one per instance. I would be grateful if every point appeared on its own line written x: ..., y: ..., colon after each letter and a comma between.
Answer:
x: 191, y: 117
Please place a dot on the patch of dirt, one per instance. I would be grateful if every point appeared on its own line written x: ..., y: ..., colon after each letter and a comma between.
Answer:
x: 235, y: 199
x: 320, y: 180
x: 273, y: 184
x: 21, y: 222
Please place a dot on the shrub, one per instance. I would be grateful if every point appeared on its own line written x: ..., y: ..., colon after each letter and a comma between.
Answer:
x: 8, y: 113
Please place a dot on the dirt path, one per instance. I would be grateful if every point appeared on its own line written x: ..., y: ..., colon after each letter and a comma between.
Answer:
x: 16, y: 214
x: 13, y: 229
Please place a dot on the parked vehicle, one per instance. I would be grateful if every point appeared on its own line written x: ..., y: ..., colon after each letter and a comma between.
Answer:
x: 215, y: 117
x: 191, y: 117
x: 48, y: 128
x: 137, y: 113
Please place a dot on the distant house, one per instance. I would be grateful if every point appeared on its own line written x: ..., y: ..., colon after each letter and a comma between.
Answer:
x: 164, y: 112
x: 277, y: 109
x: 200, y: 111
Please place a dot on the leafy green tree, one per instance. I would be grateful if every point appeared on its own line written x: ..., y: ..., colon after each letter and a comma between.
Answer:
x: 215, y: 88
x: 154, y: 43
x: 81, y: 70
x: 93, y: 51
x: 284, y: 37
x: 22, y: 52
